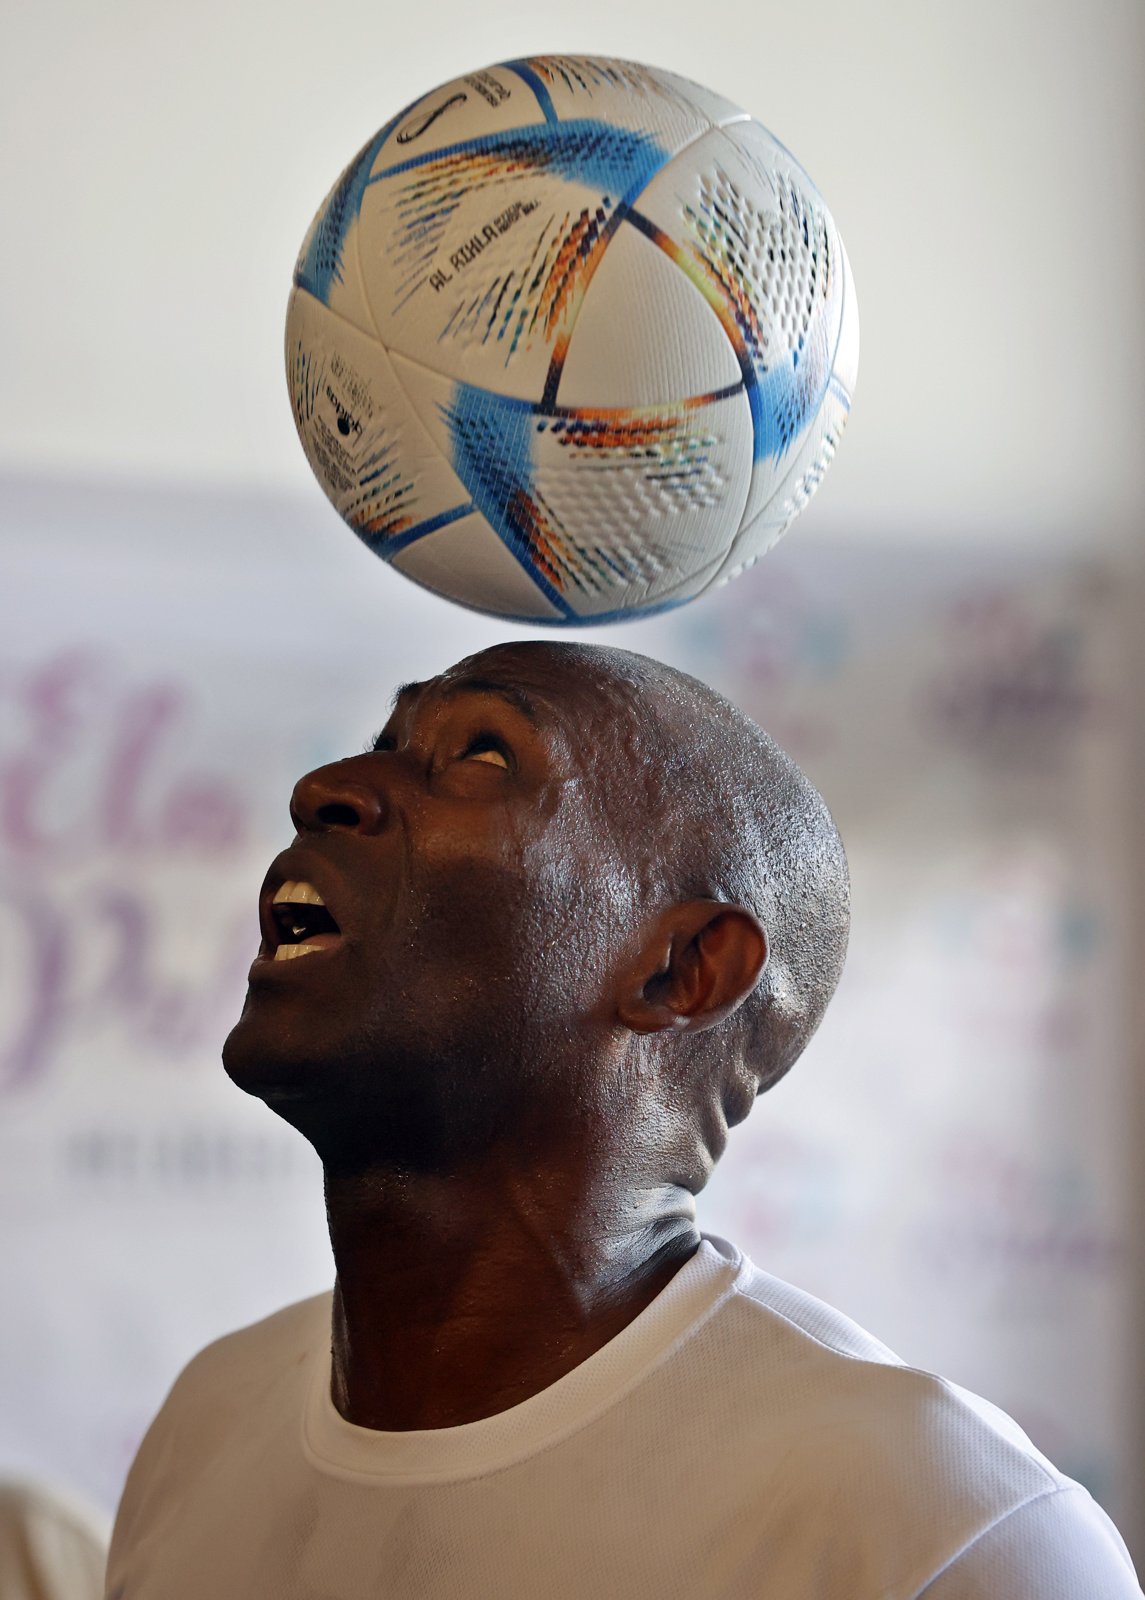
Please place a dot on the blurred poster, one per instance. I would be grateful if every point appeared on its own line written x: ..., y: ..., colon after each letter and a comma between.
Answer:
x: 948, y: 1164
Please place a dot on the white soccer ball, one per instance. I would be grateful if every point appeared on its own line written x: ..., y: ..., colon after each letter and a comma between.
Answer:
x: 571, y: 340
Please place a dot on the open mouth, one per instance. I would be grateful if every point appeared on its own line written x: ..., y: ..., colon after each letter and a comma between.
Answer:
x: 302, y: 924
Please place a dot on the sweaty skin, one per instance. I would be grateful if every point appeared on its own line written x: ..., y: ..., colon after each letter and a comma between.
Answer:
x: 518, y: 1059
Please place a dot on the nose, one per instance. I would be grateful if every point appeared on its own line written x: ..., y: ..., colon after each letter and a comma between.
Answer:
x: 336, y: 797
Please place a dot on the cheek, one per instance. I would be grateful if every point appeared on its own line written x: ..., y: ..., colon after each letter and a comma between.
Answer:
x: 478, y: 910
x: 518, y: 914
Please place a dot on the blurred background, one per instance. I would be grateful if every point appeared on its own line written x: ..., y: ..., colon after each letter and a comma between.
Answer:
x: 949, y: 641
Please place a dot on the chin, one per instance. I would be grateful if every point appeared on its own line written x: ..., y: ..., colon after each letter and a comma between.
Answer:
x: 310, y: 1084
x: 259, y: 1060
x: 386, y: 1094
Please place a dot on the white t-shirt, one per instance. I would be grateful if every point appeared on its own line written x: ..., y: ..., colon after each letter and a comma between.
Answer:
x: 738, y: 1439
x: 52, y: 1546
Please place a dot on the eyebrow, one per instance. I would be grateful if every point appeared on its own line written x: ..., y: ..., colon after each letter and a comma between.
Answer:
x: 402, y: 690
x: 508, y: 692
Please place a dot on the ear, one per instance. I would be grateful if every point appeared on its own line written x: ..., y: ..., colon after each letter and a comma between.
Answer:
x: 698, y: 963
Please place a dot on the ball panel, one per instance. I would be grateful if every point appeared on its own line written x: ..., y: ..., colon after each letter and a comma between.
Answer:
x: 845, y: 367
x: 645, y: 335
x: 742, y: 219
x: 475, y: 106
x: 605, y: 507
x: 481, y: 248
x: 365, y: 444
x: 718, y: 110
x: 487, y: 288
x: 482, y: 255
x: 693, y: 585
x: 792, y: 266
x: 467, y: 563
x: 812, y: 458
x: 488, y: 440
x: 817, y: 450
x: 466, y: 108
x: 328, y: 264
x: 646, y: 497
x: 623, y: 94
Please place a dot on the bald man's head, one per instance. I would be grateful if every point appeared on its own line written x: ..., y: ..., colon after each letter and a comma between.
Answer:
x: 702, y: 804
x: 570, y: 894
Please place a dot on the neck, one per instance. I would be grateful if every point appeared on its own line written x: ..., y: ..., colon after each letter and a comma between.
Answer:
x: 459, y: 1295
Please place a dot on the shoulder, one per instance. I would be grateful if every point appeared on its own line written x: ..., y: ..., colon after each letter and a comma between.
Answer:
x: 874, y: 1406
x: 236, y: 1385
x: 283, y: 1337
x: 240, y: 1371
x: 1055, y: 1547
x: 920, y: 1474
x: 51, y: 1542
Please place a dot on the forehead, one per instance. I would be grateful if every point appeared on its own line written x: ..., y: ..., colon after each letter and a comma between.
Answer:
x: 550, y: 690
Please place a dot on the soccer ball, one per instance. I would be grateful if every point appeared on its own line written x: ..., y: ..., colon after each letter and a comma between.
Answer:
x: 571, y: 340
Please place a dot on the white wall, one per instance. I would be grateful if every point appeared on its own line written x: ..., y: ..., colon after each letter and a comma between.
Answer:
x: 159, y: 165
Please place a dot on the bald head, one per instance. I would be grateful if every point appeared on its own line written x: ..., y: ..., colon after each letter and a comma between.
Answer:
x: 573, y: 901
x: 702, y: 804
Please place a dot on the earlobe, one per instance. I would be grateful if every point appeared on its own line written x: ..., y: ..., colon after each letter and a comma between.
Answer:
x: 699, y: 963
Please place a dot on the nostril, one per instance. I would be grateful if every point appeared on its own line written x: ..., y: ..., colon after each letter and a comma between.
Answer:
x: 327, y: 800
x: 338, y: 816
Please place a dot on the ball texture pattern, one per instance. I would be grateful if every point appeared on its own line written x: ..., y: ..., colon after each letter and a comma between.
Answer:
x: 571, y: 340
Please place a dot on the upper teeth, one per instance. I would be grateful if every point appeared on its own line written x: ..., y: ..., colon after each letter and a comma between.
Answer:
x: 300, y: 893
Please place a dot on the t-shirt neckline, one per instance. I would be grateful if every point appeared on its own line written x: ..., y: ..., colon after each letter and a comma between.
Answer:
x: 343, y: 1449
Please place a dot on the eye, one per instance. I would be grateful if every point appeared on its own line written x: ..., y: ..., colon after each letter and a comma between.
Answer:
x: 488, y: 748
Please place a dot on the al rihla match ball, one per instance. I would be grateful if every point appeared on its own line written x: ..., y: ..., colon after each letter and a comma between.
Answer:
x: 571, y: 340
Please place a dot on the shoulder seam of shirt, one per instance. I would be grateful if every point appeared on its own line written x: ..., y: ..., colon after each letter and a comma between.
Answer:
x: 897, y: 1365
x: 967, y: 1548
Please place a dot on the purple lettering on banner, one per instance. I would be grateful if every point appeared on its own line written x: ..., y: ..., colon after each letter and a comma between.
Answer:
x: 168, y: 1018
x: 50, y: 698
x: 95, y: 796
x: 28, y: 1048
x: 134, y: 743
x: 97, y: 769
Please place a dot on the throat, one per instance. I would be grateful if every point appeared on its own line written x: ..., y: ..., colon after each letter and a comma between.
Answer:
x: 447, y: 1324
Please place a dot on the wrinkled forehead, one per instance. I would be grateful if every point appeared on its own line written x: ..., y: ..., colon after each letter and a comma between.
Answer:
x: 580, y: 693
